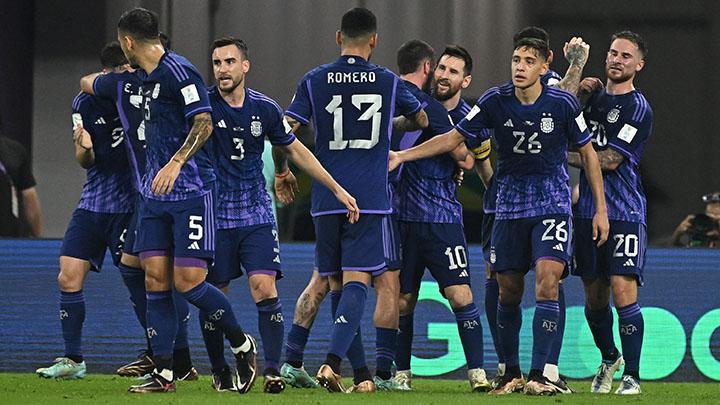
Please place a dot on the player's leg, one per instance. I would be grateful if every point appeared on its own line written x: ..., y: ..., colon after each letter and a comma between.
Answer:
x: 306, y: 310
x: 625, y: 276
x: 590, y: 265
x: 83, y: 249
x: 510, y: 256
x: 492, y: 294
x: 551, y: 370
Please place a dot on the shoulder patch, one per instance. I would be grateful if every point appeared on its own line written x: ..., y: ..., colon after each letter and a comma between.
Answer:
x: 475, y: 110
x: 627, y: 133
x: 190, y: 94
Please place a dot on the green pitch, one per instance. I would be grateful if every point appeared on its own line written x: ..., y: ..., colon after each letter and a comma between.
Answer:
x: 106, y: 389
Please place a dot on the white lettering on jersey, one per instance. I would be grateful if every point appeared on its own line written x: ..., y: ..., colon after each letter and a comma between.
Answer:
x: 351, y: 77
x: 627, y: 133
x: 475, y: 110
x: 580, y: 120
x: 190, y: 94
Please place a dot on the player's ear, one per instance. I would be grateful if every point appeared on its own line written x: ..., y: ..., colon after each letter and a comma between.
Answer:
x: 466, y: 82
x: 373, y: 40
x: 640, y: 65
x: 338, y: 38
x: 245, y: 66
x: 550, y: 57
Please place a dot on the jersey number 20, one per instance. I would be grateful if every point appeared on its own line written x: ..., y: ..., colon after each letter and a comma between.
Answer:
x: 372, y: 113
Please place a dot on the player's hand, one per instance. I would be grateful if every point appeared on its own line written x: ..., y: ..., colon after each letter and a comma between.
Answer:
x: 349, y: 202
x: 394, y: 161
x: 286, y: 187
x: 165, y: 178
x: 576, y: 51
x: 459, y: 176
x: 686, y: 224
x: 82, y: 138
x: 601, y: 228
x: 590, y: 85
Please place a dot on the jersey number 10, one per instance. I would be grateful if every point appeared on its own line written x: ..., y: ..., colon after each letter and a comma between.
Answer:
x: 372, y: 113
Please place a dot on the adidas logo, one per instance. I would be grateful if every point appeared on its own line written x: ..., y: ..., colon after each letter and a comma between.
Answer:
x: 194, y: 245
x: 559, y: 247
x: 100, y: 121
x: 463, y: 273
x: 221, y: 124
x: 629, y: 263
x: 341, y: 319
x: 509, y: 123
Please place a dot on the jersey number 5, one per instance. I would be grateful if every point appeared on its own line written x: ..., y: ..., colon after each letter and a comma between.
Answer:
x: 372, y: 113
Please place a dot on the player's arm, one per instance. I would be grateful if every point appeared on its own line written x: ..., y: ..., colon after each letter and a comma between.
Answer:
x: 591, y: 165
x: 84, y: 153
x: 33, y: 211
x: 463, y: 157
x: 86, y: 83
x: 484, y: 170
x: 305, y: 160
x: 199, y: 134
x: 286, y: 185
x: 609, y: 159
x: 576, y: 53
x: 437, y: 145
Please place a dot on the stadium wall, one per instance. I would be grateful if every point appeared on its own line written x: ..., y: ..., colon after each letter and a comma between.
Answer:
x: 679, y: 300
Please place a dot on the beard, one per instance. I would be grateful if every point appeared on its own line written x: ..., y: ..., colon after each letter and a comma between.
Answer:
x: 450, y: 93
x: 624, y: 76
x: 233, y: 85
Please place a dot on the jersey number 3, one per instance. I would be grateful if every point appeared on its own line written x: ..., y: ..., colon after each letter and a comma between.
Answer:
x: 372, y: 113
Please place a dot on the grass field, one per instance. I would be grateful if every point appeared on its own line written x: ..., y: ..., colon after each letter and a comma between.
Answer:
x: 107, y: 389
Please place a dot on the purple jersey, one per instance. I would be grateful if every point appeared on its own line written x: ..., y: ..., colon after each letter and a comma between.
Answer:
x: 124, y: 90
x: 532, y: 142
x: 351, y: 103
x: 109, y: 188
x: 426, y: 190
x: 239, y: 140
x: 623, y: 123
x: 172, y: 94
x: 551, y: 78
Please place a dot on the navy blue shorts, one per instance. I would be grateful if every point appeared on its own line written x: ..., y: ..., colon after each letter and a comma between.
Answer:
x: 131, y: 234
x: 185, y: 228
x: 89, y: 234
x: 622, y: 254
x: 342, y: 246
x: 488, y: 220
x: 517, y: 244
x: 440, y: 248
x: 394, y: 248
x: 254, y: 248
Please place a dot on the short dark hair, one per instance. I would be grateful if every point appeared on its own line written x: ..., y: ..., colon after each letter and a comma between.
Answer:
x: 358, y: 22
x: 225, y: 41
x: 112, y: 56
x: 164, y: 40
x: 412, y: 54
x: 633, y: 37
x: 459, y: 52
x: 140, y: 23
x: 531, y: 32
x: 539, y: 46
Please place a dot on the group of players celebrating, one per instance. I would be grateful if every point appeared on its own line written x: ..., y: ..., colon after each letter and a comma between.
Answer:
x: 183, y: 211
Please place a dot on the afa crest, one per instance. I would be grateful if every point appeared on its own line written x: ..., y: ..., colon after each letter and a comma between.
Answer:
x: 256, y: 128
x: 547, y: 125
x: 613, y: 115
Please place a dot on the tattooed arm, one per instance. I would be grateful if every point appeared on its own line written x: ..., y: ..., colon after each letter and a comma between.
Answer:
x: 576, y: 52
x: 609, y: 159
x: 199, y: 133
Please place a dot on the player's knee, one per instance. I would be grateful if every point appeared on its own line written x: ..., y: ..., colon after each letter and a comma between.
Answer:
x: 69, y: 281
x: 459, y: 295
x: 263, y: 289
x: 406, y: 303
x: 546, y: 289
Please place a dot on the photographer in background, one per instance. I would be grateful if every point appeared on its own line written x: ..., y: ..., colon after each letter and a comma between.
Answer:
x: 701, y: 230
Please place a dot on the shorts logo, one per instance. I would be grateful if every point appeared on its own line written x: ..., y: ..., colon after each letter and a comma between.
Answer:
x: 341, y: 319
x: 194, y: 246
x: 628, y: 329
x: 463, y: 273
x: 470, y: 325
x: 209, y: 326
x: 550, y: 326
x: 217, y: 315
x: 493, y: 256
x: 559, y: 247
x: 613, y: 115
x: 278, y: 317
x: 629, y: 263
x: 508, y: 123
x: 547, y: 125
x: 64, y: 314
x: 256, y: 127
x: 151, y: 332
x: 221, y: 124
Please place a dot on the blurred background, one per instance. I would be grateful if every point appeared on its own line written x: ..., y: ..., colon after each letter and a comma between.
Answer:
x: 47, y: 46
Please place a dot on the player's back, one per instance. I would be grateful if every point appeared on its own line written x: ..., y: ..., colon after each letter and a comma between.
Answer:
x: 108, y: 188
x: 352, y: 103
x: 622, y: 122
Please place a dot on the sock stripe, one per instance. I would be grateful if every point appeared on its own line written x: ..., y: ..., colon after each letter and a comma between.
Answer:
x: 269, y: 308
x: 72, y: 298
x: 629, y: 311
x: 158, y: 295
x: 197, y: 292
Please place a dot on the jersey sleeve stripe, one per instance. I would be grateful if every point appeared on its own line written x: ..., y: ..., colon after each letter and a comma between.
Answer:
x: 491, y: 92
x: 465, y: 133
x: 584, y: 141
x: 298, y: 117
x: 173, y: 71
x: 198, y: 111
x: 640, y: 109
x: 179, y: 67
x: 79, y: 99
x: 567, y: 97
